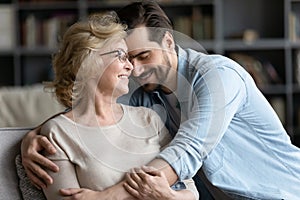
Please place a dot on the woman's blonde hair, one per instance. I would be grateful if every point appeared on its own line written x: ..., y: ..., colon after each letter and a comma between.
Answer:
x: 78, y: 51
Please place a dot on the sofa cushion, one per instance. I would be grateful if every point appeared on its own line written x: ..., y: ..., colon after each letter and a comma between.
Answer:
x: 10, y: 140
x: 26, y: 106
x: 29, y: 191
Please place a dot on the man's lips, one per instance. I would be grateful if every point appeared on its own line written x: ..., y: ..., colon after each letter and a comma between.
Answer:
x: 143, y: 77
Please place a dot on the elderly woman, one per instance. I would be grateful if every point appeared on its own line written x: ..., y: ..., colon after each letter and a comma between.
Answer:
x: 99, y: 140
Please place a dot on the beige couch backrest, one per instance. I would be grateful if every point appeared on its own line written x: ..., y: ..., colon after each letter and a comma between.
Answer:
x: 26, y: 106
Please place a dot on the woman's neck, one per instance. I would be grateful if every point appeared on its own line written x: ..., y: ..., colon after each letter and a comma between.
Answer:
x: 99, y: 110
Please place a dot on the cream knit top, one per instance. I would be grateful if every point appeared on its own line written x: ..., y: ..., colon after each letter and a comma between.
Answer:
x: 98, y: 157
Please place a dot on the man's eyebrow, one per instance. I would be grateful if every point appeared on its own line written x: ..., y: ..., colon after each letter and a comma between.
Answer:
x: 134, y: 56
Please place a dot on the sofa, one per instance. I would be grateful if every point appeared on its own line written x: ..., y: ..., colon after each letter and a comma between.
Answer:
x: 23, y: 107
x: 10, y: 140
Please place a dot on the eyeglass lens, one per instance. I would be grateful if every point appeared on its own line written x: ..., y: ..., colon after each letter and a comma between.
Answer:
x: 122, y: 55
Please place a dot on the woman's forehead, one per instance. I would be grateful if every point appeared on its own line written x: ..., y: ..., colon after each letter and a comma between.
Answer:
x: 115, y: 44
x: 121, y: 44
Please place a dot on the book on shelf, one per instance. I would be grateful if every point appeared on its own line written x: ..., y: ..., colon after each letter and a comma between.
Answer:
x: 183, y: 24
x: 29, y: 28
x: 7, y: 21
x: 294, y: 26
x: 45, y: 32
x: 297, y: 66
x: 51, y: 27
x: 202, y: 25
x: 208, y: 27
x: 55, y: 27
x: 199, y: 26
x: 261, y: 70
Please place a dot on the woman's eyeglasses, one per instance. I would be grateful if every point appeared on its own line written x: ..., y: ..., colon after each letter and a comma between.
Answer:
x: 122, y: 55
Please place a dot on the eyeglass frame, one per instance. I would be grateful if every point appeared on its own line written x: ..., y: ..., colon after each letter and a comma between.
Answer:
x: 119, y: 51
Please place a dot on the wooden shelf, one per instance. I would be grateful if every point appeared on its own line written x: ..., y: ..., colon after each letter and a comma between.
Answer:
x: 226, y: 19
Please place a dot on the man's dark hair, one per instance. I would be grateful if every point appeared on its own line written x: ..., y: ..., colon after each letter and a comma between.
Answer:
x: 149, y: 14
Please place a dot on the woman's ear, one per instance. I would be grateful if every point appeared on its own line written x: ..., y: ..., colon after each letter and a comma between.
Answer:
x: 168, y: 41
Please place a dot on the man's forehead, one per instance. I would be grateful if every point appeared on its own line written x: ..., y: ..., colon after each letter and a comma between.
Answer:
x: 138, y: 39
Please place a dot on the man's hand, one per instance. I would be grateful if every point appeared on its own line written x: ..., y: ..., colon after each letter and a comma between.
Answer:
x: 34, y: 162
x: 148, y: 183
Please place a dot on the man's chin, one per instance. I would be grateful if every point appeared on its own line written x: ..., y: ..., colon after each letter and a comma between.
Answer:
x: 150, y: 87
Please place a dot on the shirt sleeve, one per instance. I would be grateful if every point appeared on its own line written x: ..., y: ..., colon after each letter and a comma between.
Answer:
x: 55, y: 135
x: 188, y: 184
x: 214, y: 99
x: 66, y: 176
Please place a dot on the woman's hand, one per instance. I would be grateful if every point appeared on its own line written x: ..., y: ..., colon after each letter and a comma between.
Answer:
x: 81, y: 193
x: 148, y: 183
x: 34, y: 162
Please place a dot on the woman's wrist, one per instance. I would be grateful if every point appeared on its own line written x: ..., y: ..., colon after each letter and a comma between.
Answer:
x: 117, y: 192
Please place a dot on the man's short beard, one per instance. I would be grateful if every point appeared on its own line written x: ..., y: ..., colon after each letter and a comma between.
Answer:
x: 150, y: 87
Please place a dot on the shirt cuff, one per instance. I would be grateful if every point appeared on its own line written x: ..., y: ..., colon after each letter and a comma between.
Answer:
x: 181, y: 161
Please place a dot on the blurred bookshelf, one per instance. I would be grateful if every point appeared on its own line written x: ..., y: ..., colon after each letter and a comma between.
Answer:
x: 262, y: 35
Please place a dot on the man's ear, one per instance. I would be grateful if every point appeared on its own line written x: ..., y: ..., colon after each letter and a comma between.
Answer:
x: 168, y: 41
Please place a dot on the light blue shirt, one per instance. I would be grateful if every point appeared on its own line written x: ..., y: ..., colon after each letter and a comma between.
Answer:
x: 229, y: 128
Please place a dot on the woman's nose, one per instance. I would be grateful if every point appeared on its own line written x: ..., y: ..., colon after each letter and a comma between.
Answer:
x: 129, y: 65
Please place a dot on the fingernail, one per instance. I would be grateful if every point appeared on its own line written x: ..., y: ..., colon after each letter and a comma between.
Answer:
x: 49, y: 181
x: 52, y: 150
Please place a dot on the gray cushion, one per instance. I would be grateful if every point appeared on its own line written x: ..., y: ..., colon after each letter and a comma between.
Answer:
x: 10, y: 140
x: 29, y: 191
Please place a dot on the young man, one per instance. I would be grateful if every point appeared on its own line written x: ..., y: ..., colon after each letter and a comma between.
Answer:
x: 227, y: 126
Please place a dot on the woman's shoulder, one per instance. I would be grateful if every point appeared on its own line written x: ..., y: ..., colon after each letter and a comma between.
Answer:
x: 54, y: 124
